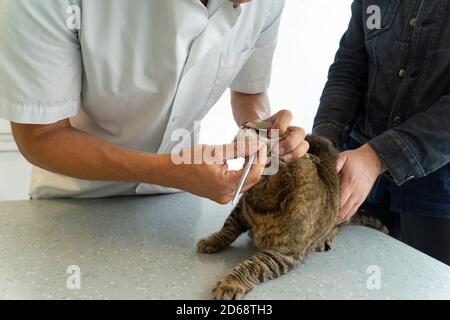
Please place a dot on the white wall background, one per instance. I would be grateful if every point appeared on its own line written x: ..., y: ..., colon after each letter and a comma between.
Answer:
x: 309, y: 37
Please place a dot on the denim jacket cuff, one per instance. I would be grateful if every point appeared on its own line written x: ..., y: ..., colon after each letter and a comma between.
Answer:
x: 397, y: 156
x: 332, y: 131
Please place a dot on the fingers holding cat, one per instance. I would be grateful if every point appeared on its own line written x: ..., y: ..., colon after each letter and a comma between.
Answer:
x: 208, y: 175
x: 202, y: 170
x: 359, y: 169
x: 293, y: 146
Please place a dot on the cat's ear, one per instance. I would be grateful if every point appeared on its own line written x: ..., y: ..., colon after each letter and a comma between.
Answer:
x: 314, y: 159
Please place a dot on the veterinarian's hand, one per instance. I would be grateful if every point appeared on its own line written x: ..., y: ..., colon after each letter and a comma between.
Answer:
x: 359, y: 169
x: 294, y: 146
x: 208, y: 176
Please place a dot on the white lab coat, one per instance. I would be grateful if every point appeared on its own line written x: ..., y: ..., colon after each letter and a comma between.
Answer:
x: 132, y: 74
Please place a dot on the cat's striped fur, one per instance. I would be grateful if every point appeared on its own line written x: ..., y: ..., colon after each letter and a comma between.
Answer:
x: 288, y: 215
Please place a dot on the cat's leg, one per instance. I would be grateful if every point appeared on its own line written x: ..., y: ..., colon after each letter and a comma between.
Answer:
x: 328, y: 241
x: 325, y: 245
x: 233, y: 227
x: 263, y: 266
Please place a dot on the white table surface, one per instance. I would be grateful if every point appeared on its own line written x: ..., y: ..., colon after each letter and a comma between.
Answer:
x: 144, y: 248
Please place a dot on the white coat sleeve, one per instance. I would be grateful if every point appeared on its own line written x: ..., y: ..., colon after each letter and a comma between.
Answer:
x: 255, y: 75
x: 40, y: 61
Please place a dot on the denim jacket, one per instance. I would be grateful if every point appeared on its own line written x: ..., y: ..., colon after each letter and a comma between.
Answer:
x: 390, y: 86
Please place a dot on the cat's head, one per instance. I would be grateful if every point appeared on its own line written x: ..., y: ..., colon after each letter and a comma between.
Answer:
x: 274, y: 192
x: 271, y: 191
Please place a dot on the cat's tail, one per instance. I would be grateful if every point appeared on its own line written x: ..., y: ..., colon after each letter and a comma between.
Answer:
x: 363, y: 218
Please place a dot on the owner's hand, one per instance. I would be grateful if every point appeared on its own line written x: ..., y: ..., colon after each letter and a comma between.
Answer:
x: 294, y: 146
x: 360, y: 169
x: 208, y: 175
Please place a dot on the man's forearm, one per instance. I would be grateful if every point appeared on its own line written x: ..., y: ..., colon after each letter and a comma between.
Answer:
x: 65, y: 150
x: 71, y: 152
x: 250, y: 107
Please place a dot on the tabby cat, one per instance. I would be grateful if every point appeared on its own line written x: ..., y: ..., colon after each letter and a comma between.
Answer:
x: 287, y: 215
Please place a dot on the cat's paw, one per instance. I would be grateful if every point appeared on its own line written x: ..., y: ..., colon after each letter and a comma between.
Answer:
x: 228, y: 290
x: 324, y: 247
x: 321, y: 247
x: 208, y: 245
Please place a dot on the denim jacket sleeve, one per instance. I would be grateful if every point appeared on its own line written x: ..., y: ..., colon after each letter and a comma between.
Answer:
x: 413, y: 149
x: 418, y: 147
x: 346, y: 85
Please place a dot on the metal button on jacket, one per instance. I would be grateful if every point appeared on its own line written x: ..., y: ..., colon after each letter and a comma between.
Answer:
x: 397, y: 120
x: 402, y: 73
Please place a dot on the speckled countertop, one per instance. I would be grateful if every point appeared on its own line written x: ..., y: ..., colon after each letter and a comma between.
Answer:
x: 144, y: 248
